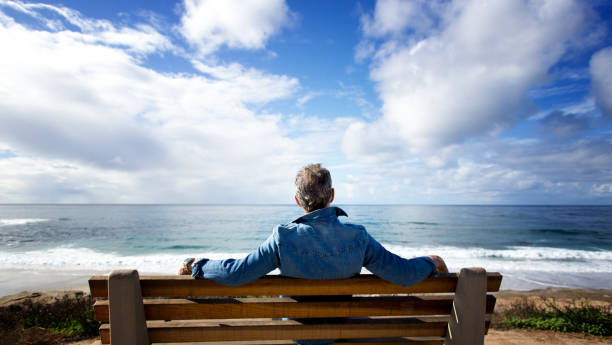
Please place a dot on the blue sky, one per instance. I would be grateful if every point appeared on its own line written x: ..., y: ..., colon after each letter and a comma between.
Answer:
x: 410, y: 102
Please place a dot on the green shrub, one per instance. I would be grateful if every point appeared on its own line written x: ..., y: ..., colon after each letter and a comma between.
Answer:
x: 576, y: 317
x: 74, y: 318
x: 70, y: 317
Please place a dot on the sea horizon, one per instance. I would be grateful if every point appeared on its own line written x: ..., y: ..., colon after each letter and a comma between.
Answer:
x: 293, y: 204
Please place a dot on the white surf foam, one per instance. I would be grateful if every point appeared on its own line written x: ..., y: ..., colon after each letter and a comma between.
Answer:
x: 20, y: 221
x: 516, y: 258
x: 536, y: 259
x: 85, y: 259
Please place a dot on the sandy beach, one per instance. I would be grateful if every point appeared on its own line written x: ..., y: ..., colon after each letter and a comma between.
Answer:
x: 505, y: 299
x: 56, y: 280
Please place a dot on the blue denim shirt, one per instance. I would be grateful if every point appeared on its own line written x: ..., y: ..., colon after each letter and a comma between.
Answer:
x: 317, y: 246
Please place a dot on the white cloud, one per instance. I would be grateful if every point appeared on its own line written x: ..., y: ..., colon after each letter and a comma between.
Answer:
x: 262, y: 87
x: 131, y: 134
x: 141, y: 39
x: 307, y: 97
x: 82, y: 120
x: 24, y: 179
x: 488, y: 171
x: 601, y: 65
x: 467, y: 78
x: 605, y: 188
x: 244, y: 24
x: 364, y: 50
x: 392, y: 17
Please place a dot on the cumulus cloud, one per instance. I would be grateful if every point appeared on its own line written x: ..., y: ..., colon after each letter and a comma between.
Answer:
x: 245, y: 24
x: 84, y: 120
x: 522, y: 171
x: 393, y: 17
x: 466, y: 76
x: 601, y: 65
x: 141, y: 39
x: 26, y: 179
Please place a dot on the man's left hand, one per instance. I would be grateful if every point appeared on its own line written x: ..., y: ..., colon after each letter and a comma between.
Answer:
x: 440, y: 264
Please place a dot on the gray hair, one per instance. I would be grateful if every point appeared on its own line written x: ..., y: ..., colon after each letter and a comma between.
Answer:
x: 313, y: 187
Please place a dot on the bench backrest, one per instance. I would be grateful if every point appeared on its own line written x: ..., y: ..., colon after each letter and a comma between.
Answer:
x: 273, y: 310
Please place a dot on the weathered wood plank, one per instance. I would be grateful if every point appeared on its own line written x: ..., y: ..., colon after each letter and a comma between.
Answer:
x: 191, y: 309
x: 184, y: 309
x: 160, y: 332
x: 404, y: 341
x: 262, y: 342
x: 183, y: 286
x: 397, y: 341
x: 320, y: 331
x: 98, y: 286
x: 384, y: 341
x: 494, y: 280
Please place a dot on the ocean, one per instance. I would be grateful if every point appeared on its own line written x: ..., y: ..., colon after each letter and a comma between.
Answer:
x: 532, y: 246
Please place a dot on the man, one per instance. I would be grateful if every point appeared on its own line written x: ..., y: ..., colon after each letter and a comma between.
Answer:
x: 317, y: 246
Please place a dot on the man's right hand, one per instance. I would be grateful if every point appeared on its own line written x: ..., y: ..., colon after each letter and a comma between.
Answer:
x: 440, y: 265
x: 187, y: 267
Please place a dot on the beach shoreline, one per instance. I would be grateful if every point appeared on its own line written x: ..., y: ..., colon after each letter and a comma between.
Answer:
x: 13, y: 281
x: 17, y: 280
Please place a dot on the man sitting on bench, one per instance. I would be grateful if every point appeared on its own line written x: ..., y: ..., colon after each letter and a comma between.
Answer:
x: 317, y: 246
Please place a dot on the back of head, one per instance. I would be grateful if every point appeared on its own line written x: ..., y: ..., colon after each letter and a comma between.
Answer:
x: 313, y: 187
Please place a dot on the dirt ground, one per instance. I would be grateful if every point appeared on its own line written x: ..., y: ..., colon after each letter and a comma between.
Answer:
x: 509, y: 337
x: 529, y: 337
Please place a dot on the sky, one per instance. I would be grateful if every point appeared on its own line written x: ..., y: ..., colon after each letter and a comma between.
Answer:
x: 405, y: 102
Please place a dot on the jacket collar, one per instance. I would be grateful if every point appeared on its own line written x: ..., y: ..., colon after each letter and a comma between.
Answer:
x: 321, y: 213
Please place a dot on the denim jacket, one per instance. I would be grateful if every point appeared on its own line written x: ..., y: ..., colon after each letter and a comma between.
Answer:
x: 317, y: 246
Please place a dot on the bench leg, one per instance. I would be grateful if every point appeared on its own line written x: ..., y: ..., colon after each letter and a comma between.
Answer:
x: 128, y: 325
x: 467, y: 321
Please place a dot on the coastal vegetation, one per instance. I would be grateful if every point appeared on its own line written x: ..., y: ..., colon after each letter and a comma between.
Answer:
x: 579, y: 316
x: 49, y: 320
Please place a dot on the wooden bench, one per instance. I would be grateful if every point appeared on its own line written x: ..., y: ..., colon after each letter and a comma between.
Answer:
x: 365, y: 309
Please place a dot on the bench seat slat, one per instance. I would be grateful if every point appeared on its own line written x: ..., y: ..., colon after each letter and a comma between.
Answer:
x: 286, y: 329
x: 406, y: 341
x: 185, y: 309
x: 184, y: 286
x: 396, y: 341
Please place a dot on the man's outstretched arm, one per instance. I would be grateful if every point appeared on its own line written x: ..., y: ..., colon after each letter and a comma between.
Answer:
x: 398, y: 270
x: 236, y: 271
